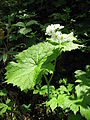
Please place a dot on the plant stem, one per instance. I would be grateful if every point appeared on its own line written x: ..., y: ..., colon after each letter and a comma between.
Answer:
x: 48, y: 90
x: 48, y: 82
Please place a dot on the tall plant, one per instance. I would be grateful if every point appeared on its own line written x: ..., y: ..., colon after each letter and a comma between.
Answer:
x: 39, y: 59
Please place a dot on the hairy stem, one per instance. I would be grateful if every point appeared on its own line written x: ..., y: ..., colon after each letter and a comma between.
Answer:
x: 49, y: 81
x: 48, y: 89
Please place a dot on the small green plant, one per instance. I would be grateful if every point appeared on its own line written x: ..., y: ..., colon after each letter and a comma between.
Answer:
x: 79, y: 101
x: 40, y: 60
x: 5, y: 103
x: 24, y: 28
x: 25, y: 108
x: 3, y: 93
x: 5, y: 107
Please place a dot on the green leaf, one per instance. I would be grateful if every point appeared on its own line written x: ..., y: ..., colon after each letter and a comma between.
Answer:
x: 4, y: 57
x: 70, y: 87
x: 81, y: 100
x: 2, y: 105
x: 63, y: 101
x: 74, y: 108
x: 43, y: 90
x: 20, y: 24
x: 24, y: 31
x: 8, y: 101
x: 3, y: 92
x: 85, y: 112
x: 3, y: 110
x: 32, y: 22
x: 30, y: 65
x: 62, y: 89
x: 68, y: 46
x: 25, y: 108
x: 83, y: 88
x: 52, y: 103
x: 35, y: 91
x: 60, y: 100
x: 83, y: 91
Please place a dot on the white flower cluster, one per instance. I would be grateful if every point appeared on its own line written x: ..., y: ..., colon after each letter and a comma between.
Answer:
x: 53, y: 31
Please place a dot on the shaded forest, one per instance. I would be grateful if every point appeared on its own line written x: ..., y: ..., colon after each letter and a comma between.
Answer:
x: 23, y: 25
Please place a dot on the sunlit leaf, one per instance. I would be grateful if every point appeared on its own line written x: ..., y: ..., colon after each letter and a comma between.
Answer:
x: 30, y: 65
x: 52, y: 103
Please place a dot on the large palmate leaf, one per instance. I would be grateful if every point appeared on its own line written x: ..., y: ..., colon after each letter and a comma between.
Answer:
x: 30, y: 64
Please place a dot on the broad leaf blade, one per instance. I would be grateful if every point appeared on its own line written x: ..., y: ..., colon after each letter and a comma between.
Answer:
x: 30, y: 65
x: 68, y: 46
x: 19, y: 24
x: 32, y: 22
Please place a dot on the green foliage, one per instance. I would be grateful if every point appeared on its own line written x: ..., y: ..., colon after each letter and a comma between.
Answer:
x: 83, y: 91
x: 52, y: 103
x: 30, y: 65
x: 40, y: 60
x: 67, y: 101
x: 43, y: 90
x: 25, y: 27
x: 5, y: 107
x: 24, y: 31
x: 34, y: 62
x: 70, y: 46
x: 32, y: 22
x: 25, y: 108
x: 3, y: 92
x: 22, y: 24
